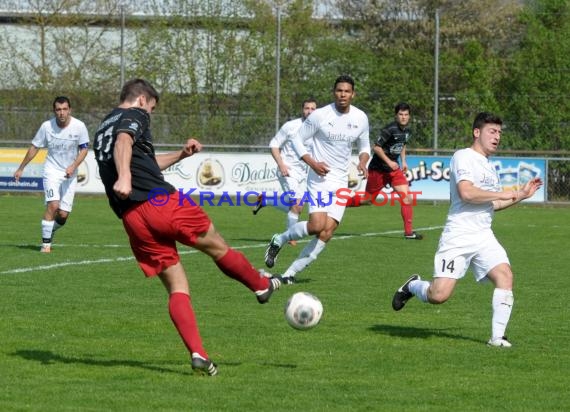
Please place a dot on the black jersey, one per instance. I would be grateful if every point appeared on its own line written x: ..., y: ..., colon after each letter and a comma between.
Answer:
x: 146, y: 176
x: 392, y: 140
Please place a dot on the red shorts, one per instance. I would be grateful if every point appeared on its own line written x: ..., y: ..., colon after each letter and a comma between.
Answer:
x: 377, y: 180
x: 154, y: 230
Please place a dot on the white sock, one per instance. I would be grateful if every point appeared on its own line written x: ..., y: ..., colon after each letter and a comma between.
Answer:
x: 295, y: 232
x: 307, y: 256
x: 419, y: 289
x: 278, y: 201
x: 281, y: 206
x: 47, y: 229
x: 292, y: 218
x: 502, y: 307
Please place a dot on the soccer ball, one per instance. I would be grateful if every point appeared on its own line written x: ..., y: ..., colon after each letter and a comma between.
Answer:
x: 303, y: 310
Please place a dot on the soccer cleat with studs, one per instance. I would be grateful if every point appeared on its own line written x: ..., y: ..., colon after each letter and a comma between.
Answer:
x: 501, y: 342
x: 413, y: 236
x: 271, y: 252
x: 264, y: 295
x: 203, y: 366
x: 258, y: 204
x: 403, y: 294
x: 46, y: 248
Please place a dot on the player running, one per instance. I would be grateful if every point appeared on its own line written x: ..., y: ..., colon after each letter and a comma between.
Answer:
x: 331, y: 131
x: 467, y: 240
x: 293, y: 171
x: 67, y: 140
x: 384, y: 168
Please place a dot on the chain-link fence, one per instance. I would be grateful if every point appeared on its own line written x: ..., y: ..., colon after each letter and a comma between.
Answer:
x: 252, y: 133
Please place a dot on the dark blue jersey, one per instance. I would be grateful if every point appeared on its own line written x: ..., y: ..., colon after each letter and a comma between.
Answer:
x: 146, y: 176
x: 392, y: 140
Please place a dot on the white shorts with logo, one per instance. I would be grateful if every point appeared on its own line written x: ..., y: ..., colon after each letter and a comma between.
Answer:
x: 458, y: 252
x: 323, y: 196
x: 58, y: 187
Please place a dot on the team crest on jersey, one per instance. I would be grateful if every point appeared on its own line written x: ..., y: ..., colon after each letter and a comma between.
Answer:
x: 134, y: 126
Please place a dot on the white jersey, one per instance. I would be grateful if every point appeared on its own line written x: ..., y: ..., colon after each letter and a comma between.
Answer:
x: 330, y: 135
x: 62, y: 144
x: 282, y: 141
x: 467, y: 164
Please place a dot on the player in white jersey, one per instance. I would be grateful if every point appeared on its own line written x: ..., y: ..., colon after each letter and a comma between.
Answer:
x: 330, y: 132
x: 67, y: 140
x: 292, y: 170
x: 467, y: 240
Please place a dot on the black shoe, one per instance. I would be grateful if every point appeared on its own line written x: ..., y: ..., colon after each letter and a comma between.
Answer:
x: 264, y: 295
x: 271, y: 252
x: 204, y: 366
x: 403, y: 294
x: 258, y: 204
x: 288, y: 280
x: 414, y: 235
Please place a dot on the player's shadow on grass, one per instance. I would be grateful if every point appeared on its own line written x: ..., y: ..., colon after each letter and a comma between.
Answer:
x: 48, y: 357
x: 418, y: 333
x: 23, y: 247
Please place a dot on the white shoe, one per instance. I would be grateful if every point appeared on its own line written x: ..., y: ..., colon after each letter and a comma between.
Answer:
x: 500, y: 342
x: 46, y: 248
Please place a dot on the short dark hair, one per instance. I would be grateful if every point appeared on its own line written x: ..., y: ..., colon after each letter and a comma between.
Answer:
x: 402, y: 106
x: 344, y: 78
x: 60, y: 100
x: 136, y: 87
x: 309, y: 100
x: 484, y: 118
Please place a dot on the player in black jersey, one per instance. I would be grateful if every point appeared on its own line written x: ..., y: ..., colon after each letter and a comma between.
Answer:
x: 131, y: 173
x: 384, y: 168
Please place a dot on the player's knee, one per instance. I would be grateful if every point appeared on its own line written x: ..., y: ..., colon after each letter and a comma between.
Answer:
x: 60, y: 218
x: 315, y: 228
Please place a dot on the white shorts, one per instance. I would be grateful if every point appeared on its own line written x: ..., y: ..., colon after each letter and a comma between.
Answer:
x: 295, y: 183
x: 458, y: 252
x: 323, y: 197
x: 59, y: 188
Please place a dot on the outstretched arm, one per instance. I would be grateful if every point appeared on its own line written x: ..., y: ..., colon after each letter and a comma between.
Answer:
x: 168, y: 159
x: 527, y: 191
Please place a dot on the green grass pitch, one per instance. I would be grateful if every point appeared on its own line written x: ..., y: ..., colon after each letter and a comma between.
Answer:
x: 81, y: 329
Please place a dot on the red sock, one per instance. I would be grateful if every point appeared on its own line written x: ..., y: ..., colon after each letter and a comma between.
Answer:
x: 235, y: 265
x: 183, y: 317
x: 354, y: 201
x: 407, y: 216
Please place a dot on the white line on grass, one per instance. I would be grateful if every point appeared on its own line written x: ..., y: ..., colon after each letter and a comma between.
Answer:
x: 186, y: 252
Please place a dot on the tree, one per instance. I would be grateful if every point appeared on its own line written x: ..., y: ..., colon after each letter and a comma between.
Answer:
x: 538, y: 81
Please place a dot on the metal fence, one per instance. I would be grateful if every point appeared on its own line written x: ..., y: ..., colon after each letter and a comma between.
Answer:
x: 17, y: 128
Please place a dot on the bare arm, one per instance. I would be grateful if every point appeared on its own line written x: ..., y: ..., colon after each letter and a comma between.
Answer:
x: 80, y: 158
x: 470, y: 193
x: 362, y: 164
x: 30, y: 154
x: 122, y: 155
x: 276, y: 153
x: 380, y: 153
x: 527, y: 191
x: 403, y: 159
x: 168, y: 159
